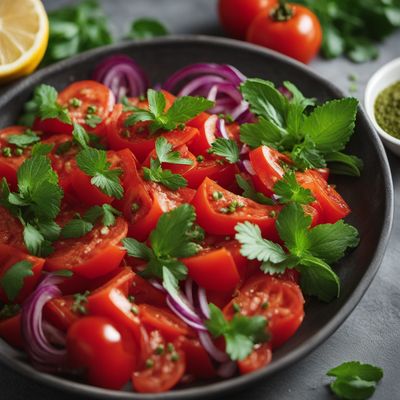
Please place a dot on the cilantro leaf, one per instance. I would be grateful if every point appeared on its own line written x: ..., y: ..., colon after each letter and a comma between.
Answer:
x: 355, y: 380
x: 184, y: 109
x: 330, y: 125
x: 80, y: 136
x: 93, y: 162
x: 164, y: 176
x: 145, y: 28
x: 226, y: 148
x: 289, y: 190
x: 12, y: 280
x: 76, y: 228
x: 24, y: 140
x: 251, y: 193
x: 241, y: 333
x: 33, y: 239
x: 137, y: 249
x: 166, y: 155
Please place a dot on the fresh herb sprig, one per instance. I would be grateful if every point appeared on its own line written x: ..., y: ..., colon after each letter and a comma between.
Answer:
x: 12, y: 280
x: 227, y: 149
x: 241, y: 333
x: 184, y: 109
x: 313, y: 139
x: 310, y: 250
x: 355, y: 380
x: 289, y: 190
x: 251, y: 193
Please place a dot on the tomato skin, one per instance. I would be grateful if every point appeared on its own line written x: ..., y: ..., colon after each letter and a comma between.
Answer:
x: 10, y: 256
x: 213, y: 221
x: 106, y: 352
x: 260, y: 357
x: 92, y: 255
x: 52, y: 126
x: 10, y: 331
x: 332, y: 205
x: 89, y: 93
x: 237, y: 15
x: 207, y: 126
x: 111, y: 301
x: 58, y: 312
x: 218, y: 264
x: 163, y: 320
x: 285, y: 305
x: 11, y: 230
x: 144, y: 292
x: 299, y: 37
x: 165, y: 372
x: 266, y: 164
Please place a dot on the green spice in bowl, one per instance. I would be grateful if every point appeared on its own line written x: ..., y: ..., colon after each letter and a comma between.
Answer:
x: 387, y: 109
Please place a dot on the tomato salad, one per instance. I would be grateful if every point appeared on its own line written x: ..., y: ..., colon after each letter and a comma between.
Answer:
x: 164, y: 237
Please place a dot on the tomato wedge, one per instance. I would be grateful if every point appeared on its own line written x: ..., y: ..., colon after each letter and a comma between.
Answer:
x: 144, y: 292
x: 207, y: 126
x: 95, y: 254
x: 212, y: 201
x: 10, y: 230
x: 260, y: 357
x: 9, y: 256
x: 10, y: 331
x: 279, y: 300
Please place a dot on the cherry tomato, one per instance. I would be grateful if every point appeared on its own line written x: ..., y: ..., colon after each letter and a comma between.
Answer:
x: 10, y: 230
x: 9, y: 256
x: 267, y: 164
x: 111, y: 301
x: 280, y: 301
x: 10, y: 331
x: 217, y: 263
x: 88, y: 100
x: 104, y: 351
x: 212, y: 203
x: 331, y: 202
x: 237, y: 15
x: 260, y: 357
x: 160, y: 371
x: 291, y: 29
x: 93, y: 255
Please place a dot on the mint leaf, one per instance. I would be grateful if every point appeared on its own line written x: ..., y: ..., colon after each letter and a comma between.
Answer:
x: 289, y: 190
x: 24, y: 140
x: 13, y: 279
x: 355, y: 380
x: 226, y: 148
x: 264, y: 132
x: 331, y: 125
x: 94, y: 163
x: 241, y: 333
x: 251, y: 193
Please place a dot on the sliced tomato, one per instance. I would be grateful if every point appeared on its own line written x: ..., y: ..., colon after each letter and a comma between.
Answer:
x: 159, y: 371
x: 9, y: 256
x: 220, y: 172
x: 279, y: 300
x: 214, y: 270
x: 212, y: 212
x: 260, y: 357
x: 111, y: 301
x: 88, y: 98
x: 10, y: 230
x: 267, y: 164
x: 144, y: 292
x: 59, y: 312
x: 10, y: 331
x: 96, y: 254
x: 332, y: 204
x: 163, y: 320
x: 52, y: 126
x: 10, y: 162
x: 324, y: 172
x: 105, y: 352
x: 207, y: 126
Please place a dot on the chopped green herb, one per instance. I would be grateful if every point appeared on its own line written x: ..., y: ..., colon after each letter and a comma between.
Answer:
x: 12, y: 280
x: 226, y: 148
x: 74, y: 102
x: 93, y: 120
x: 25, y: 139
x: 80, y: 301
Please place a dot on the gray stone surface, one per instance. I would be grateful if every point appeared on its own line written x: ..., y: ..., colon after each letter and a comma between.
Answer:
x: 371, y: 333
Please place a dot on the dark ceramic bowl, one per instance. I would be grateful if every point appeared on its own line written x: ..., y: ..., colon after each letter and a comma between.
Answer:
x: 370, y: 197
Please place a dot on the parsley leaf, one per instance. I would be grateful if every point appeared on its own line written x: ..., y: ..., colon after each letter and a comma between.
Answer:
x: 24, y: 140
x: 12, y: 280
x: 166, y: 155
x: 289, y: 190
x: 41, y: 149
x: 251, y: 193
x: 93, y: 162
x: 184, y: 109
x: 80, y: 136
x: 355, y: 380
x: 76, y: 228
x: 106, y: 212
x: 226, y: 148
x: 241, y: 333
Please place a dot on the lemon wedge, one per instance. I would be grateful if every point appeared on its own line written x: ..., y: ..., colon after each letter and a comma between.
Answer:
x: 24, y: 34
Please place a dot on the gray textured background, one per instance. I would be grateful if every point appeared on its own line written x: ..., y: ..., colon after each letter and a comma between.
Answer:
x: 371, y: 333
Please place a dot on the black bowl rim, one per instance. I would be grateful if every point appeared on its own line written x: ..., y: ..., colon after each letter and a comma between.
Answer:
x: 236, y: 383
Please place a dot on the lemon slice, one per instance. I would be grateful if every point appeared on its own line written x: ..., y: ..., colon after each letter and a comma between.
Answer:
x: 24, y: 33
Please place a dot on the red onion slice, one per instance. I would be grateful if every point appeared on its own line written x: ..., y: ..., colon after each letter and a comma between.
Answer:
x: 212, y: 350
x: 198, y: 325
x: 189, y: 290
x: 248, y: 167
x: 221, y: 128
x: 227, y: 369
x: 203, y: 302
x: 197, y: 84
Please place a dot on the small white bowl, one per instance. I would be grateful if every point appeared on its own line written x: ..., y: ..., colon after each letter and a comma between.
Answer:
x: 380, y: 80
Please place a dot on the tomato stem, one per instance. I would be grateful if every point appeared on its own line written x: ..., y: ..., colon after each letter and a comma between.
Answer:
x: 283, y: 12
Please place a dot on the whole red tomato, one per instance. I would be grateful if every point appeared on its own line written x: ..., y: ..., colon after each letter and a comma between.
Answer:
x: 291, y: 29
x: 237, y: 15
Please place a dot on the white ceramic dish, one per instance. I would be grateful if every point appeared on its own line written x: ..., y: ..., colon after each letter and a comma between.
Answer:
x: 380, y: 80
